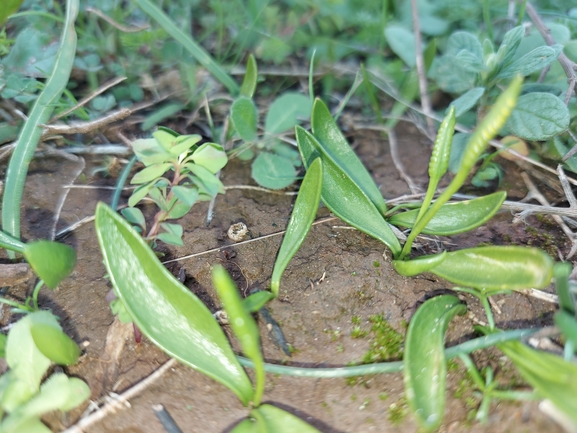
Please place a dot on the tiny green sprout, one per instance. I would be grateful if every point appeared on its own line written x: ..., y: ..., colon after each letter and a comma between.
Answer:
x: 383, y: 396
x: 398, y: 411
x: 376, y: 264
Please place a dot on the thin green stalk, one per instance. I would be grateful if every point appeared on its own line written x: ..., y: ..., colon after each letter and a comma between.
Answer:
x: 121, y: 182
x: 473, y: 371
x: 32, y: 131
x: 35, y: 294
x: 521, y: 12
x: 10, y: 243
x: 199, y: 53
x: 15, y: 304
x: 514, y: 395
x: 485, y: 302
x: 390, y: 367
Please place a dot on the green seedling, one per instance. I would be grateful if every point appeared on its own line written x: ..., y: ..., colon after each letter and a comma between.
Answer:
x: 33, y: 344
x: 193, y: 179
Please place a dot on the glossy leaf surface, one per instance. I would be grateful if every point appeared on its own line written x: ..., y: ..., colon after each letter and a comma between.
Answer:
x: 552, y: 377
x: 344, y: 197
x: 164, y: 310
x: 334, y: 145
x: 302, y: 217
x: 489, y: 268
x: 424, y: 359
x: 242, y: 324
x: 457, y: 217
x: 52, y: 261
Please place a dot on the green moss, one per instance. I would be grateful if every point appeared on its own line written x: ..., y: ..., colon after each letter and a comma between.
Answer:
x: 376, y: 263
x: 398, y: 411
x: 358, y: 332
x: 386, y: 342
x: 383, y: 396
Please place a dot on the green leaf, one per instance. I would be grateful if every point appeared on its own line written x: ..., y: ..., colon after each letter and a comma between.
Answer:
x: 211, y: 184
x: 425, y: 368
x: 533, y: 61
x: 466, y: 101
x: 134, y: 216
x: 509, y: 45
x: 244, y: 118
x: 173, y: 234
x: 3, y: 338
x: 250, y: 78
x: 140, y: 192
x: 257, y: 300
x: 178, y: 210
x: 410, y: 268
x: 271, y: 419
x: 151, y: 151
x: 333, y: 144
x: 402, y: 42
x: 187, y: 194
x: 164, y: 310
x: 450, y: 77
x: 52, y: 261
x: 32, y: 425
x: 343, y: 196
x: 538, y: 116
x: 460, y: 42
x: 211, y: 156
x: 8, y: 8
x: 184, y: 144
x: 561, y: 272
x: 285, y: 111
x: 302, y: 217
x: 567, y: 325
x: 453, y: 218
x: 273, y: 171
x: 54, y: 344
x: 242, y: 324
x: 551, y: 376
x: 150, y: 173
x: 199, y: 53
x: 31, y: 132
x: 495, y: 268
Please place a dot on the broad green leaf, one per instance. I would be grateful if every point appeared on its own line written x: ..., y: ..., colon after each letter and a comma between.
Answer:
x: 538, y: 116
x: 402, y: 42
x: 257, y: 300
x: 151, y: 151
x: 248, y: 86
x: 207, y: 179
x: 54, y: 344
x: 568, y: 325
x: 210, y: 156
x: 509, y: 45
x: 185, y: 193
x: 242, y: 324
x: 26, y: 361
x: 134, y: 216
x: 333, y: 144
x: 551, y: 376
x: 33, y: 425
x: 285, y: 111
x: 184, y: 144
x: 302, y: 217
x: 457, y: 217
x: 531, y: 62
x: 467, y: 100
x: 139, y: 193
x: 450, y: 77
x: 425, y: 368
x: 343, y: 196
x: 273, y: 171
x: 271, y: 419
x: 178, y: 210
x: 150, y: 173
x: 244, y: 118
x: 464, y: 41
x: 52, y: 261
x: 78, y: 392
x: 166, y: 312
x: 496, y: 268
x: 8, y: 8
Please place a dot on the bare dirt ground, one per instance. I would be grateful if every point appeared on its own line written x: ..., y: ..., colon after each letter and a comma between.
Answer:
x: 339, y: 275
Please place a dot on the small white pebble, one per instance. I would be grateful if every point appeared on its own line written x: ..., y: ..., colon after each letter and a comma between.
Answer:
x: 237, y: 232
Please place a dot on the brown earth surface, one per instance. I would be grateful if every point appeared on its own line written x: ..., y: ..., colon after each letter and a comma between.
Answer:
x: 338, y: 273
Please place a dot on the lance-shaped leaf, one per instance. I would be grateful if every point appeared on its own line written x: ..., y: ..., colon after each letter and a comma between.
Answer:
x: 334, y: 145
x: 300, y: 222
x: 244, y: 118
x: 457, y: 217
x: 166, y: 312
x: 242, y: 324
x: 250, y: 78
x: 489, y: 268
x: 424, y: 358
x: 533, y: 61
x: 344, y: 197
x: 552, y: 377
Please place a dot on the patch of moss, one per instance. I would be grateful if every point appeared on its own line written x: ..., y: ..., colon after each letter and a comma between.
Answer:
x: 398, y: 411
x: 386, y: 342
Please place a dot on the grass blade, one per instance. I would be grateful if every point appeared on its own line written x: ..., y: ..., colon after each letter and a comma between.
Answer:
x: 31, y: 132
x: 199, y: 53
